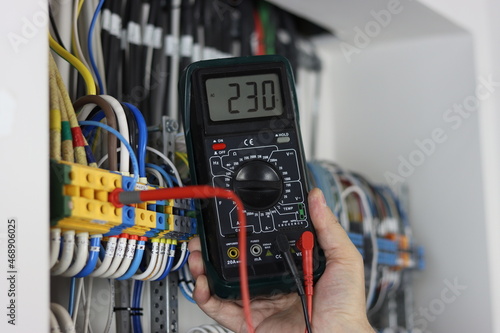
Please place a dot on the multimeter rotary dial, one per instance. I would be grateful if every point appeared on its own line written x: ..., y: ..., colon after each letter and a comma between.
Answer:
x: 258, y: 185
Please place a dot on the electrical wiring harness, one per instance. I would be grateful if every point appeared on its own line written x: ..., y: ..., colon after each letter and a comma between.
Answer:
x: 377, y: 224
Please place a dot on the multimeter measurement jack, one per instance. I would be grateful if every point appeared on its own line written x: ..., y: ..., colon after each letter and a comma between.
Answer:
x: 242, y: 133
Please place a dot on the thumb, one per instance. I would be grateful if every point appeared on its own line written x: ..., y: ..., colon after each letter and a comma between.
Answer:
x: 331, y: 236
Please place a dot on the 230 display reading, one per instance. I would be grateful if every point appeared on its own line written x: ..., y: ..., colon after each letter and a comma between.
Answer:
x: 243, y: 97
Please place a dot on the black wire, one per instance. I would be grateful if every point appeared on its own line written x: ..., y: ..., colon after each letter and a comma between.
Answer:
x: 54, y: 27
x: 283, y: 246
x: 306, y: 313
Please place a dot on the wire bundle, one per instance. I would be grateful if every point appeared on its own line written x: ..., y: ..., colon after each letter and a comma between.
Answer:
x: 376, y: 214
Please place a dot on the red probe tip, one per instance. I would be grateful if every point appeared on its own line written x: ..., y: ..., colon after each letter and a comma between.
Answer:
x: 306, y: 241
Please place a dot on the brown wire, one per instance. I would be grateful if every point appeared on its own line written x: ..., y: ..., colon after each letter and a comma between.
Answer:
x: 111, y: 121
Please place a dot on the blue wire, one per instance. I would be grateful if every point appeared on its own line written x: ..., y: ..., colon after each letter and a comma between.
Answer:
x: 170, y: 263
x: 92, y: 261
x: 136, y: 303
x: 183, y: 261
x: 97, y: 117
x: 71, y: 304
x: 143, y: 138
x: 163, y: 173
x: 135, y: 263
x: 89, y: 46
x: 110, y: 129
x: 102, y: 252
x: 90, y: 131
x: 186, y: 294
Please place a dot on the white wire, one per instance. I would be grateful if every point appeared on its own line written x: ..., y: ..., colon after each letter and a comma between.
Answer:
x: 121, y: 118
x: 82, y: 253
x: 54, y: 325
x: 188, y: 278
x: 127, y: 260
x: 55, y: 245
x: 108, y: 258
x: 152, y: 263
x: 122, y: 127
x: 384, y: 288
x: 183, y: 285
x: 67, y: 253
x: 161, y: 261
x: 368, y: 229
x: 210, y: 328
x: 111, y: 306
x: 86, y: 322
x: 158, y: 153
x: 117, y: 259
x: 168, y: 161
x: 158, y: 176
x: 79, y: 291
x: 181, y: 258
x: 197, y: 330
x: 63, y: 318
x: 76, y: 36
x: 98, y: 52
x: 175, y: 10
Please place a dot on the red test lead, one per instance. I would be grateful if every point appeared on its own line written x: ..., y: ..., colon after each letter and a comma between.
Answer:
x: 306, y: 246
x: 119, y: 197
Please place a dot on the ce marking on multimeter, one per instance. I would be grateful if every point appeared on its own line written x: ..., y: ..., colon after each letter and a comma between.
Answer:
x: 248, y: 142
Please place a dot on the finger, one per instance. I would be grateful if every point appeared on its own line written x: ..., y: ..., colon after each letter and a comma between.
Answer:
x: 331, y: 236
x: 225, y: 312
x: 196, y: 266
x: 194, y: 244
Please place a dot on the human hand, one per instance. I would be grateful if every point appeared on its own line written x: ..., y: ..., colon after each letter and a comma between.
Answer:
x: 339, y: 295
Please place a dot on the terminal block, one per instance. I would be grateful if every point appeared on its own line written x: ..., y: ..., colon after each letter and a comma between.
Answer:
x: 79, y: 201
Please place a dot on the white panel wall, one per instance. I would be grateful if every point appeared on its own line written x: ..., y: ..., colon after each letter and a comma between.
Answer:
x: 373, y: 112
x: 23, y: 163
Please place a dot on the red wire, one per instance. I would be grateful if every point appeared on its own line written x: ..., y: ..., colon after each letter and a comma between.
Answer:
x: 206, y: 192
x: 306, y: 246
x: 259, y: 34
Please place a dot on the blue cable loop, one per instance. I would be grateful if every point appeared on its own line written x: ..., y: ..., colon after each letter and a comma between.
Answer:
x: 162, y: 172
x: 89, y: 46
x: 139, y: 253
x: 143, y: 138
x: 170, y: 263
x: 133, y: 158
x: 94, y: 254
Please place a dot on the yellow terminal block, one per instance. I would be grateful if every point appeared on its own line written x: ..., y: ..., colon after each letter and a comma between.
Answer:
x: 79, y: 201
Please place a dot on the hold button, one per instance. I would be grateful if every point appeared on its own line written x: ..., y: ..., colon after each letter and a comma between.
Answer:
x: 283, y: 139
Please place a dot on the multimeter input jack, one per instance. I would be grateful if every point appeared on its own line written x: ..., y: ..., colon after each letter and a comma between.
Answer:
x: 233, y: 253
x: 256, y: 250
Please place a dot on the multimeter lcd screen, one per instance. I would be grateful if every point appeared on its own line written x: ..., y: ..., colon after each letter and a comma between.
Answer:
x: 243, y: 97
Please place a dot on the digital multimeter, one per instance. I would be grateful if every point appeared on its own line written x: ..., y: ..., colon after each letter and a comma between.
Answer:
x: 242, y: 133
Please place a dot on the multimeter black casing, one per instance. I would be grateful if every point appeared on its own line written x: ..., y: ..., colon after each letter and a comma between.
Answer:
x: 262, y: 160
